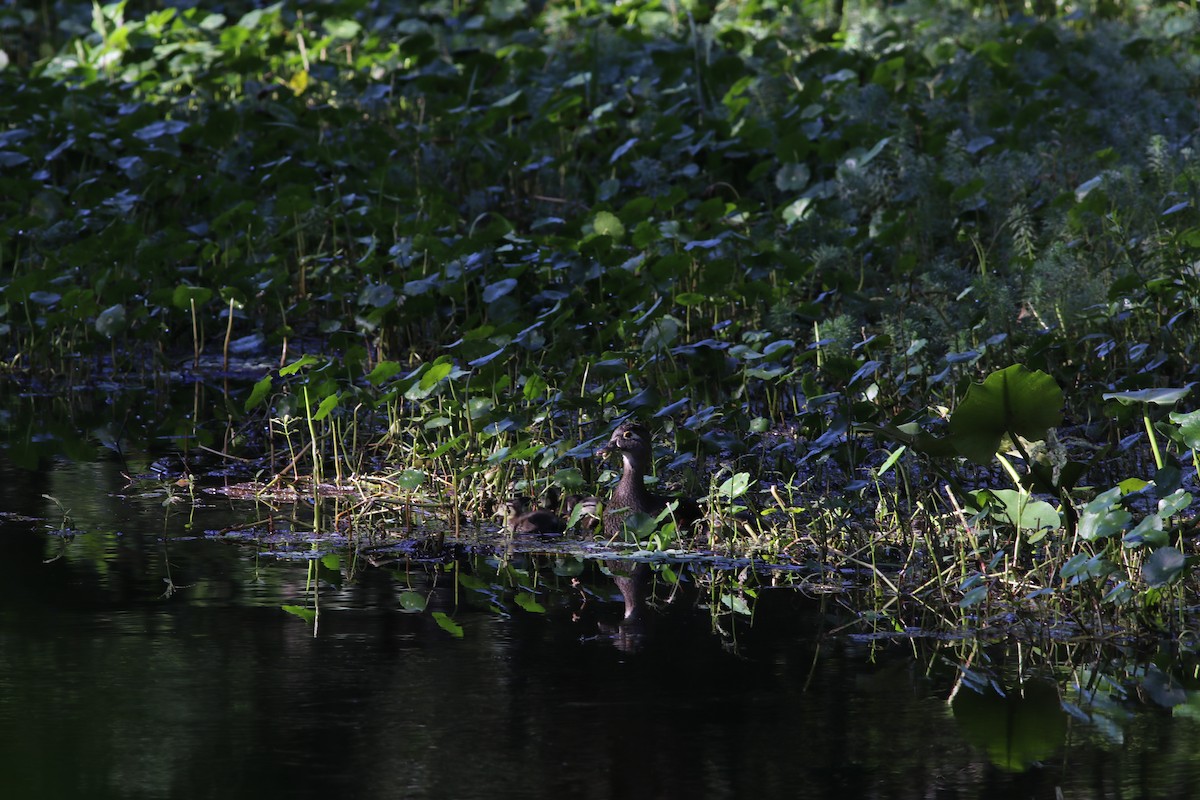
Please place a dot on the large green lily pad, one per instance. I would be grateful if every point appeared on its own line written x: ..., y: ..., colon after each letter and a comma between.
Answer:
x: 1015, y: 400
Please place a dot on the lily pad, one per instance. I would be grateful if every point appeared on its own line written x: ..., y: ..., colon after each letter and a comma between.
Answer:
x: 1015, y: 400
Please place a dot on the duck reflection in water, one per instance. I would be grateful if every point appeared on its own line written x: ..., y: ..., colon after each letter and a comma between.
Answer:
x: 633, y: 581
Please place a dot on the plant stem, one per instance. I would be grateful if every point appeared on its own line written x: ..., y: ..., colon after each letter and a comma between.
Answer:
x: 1158, y: 459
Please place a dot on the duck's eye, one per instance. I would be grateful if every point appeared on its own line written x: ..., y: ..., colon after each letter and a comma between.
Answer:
x: 628, y: 434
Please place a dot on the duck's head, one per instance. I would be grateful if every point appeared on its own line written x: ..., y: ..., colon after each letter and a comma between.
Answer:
x: 629, y: 439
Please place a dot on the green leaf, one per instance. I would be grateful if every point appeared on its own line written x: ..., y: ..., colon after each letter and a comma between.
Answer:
x: 607, y: 223
x: 1163, y: 566
x: 870, y: 155
x: 473, y: 583
x: 412, y: 602
x: 535, y: 387
x: 1174, y: 503
x: 1189, y: 427
x: 622, y: 149
x: 528, y: 602
x: 792, y: 177
x: 331, y: 561
x: 445, y: 623
x: 508, y: 100
x: 892, y: 458
x: 185, y: 296
x: 384, y: 371
x: 1101, y: 525
x: 111, y: 321
x: 494, y: 291
x: 434, y: 375
x: 974, y: 597
x: 377, y: 295
x: 1148, y: 531
x: 44, y: 298
x: 570, y: 478
x: 297, y: 365
x: 1014, y: 400
x: 1025, y: 512
x: 341, y: 28
x: 1131, y: 485
x: 797, y: 210
x: 1085, y: 188
x: 260, y: 392
x: 1158, y: 397
x: 734, y: 487
x: 735, y: 603
x: 306, y: 614
x: 410, y: 479
x: 1074, y: 565
x: 327, y: 406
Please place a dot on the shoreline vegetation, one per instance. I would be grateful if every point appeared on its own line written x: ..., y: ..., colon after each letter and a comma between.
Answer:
x: 906, y: 294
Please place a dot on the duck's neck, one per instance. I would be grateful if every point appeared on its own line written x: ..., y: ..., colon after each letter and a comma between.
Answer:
x: 633, y: 475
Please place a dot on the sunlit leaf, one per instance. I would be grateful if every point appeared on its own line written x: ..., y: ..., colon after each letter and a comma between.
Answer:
x: 1014, y: 400
x: 1025, y: 512
x: 412, y: 602
x: 734, y: 487
x: 508, y: 100
x: 535, y: 387
x: 341, y: 28
x: 797, y: 210
x: 297, y: 365
x: 1095, y: 525
x: 445, y: 623
x: 892, y: 458
x: 607, y: 223
x: 262, y: 390
x: 1175, y: 503
x: 159, y: 129
x: 1085, y: 188
x: 298, y: 82
x: 735, y: 603
x: 435, y: 374
x: 307, y: 614
x: 528, y: 602
x: 1158, y: 397
x: 327, y: 405
x: 1189, y: 427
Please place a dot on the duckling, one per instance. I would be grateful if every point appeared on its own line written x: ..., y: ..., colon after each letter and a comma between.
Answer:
x: 589, y: 511
x: 539, y: 520
x: 632, y: 441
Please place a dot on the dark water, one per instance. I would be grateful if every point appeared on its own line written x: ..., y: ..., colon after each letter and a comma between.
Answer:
x: 111, y: 686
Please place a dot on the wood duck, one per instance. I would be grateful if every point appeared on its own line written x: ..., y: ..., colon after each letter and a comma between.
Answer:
x: 632, y: 441
x: 520, y: 519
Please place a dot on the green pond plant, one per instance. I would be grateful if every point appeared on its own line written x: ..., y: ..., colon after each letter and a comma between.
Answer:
x: 894, y: 290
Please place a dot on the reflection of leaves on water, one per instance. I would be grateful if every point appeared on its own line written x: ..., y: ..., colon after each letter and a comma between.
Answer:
x: 1016, y: 729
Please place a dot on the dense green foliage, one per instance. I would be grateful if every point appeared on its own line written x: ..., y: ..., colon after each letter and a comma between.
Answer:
x: 494, y: 228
